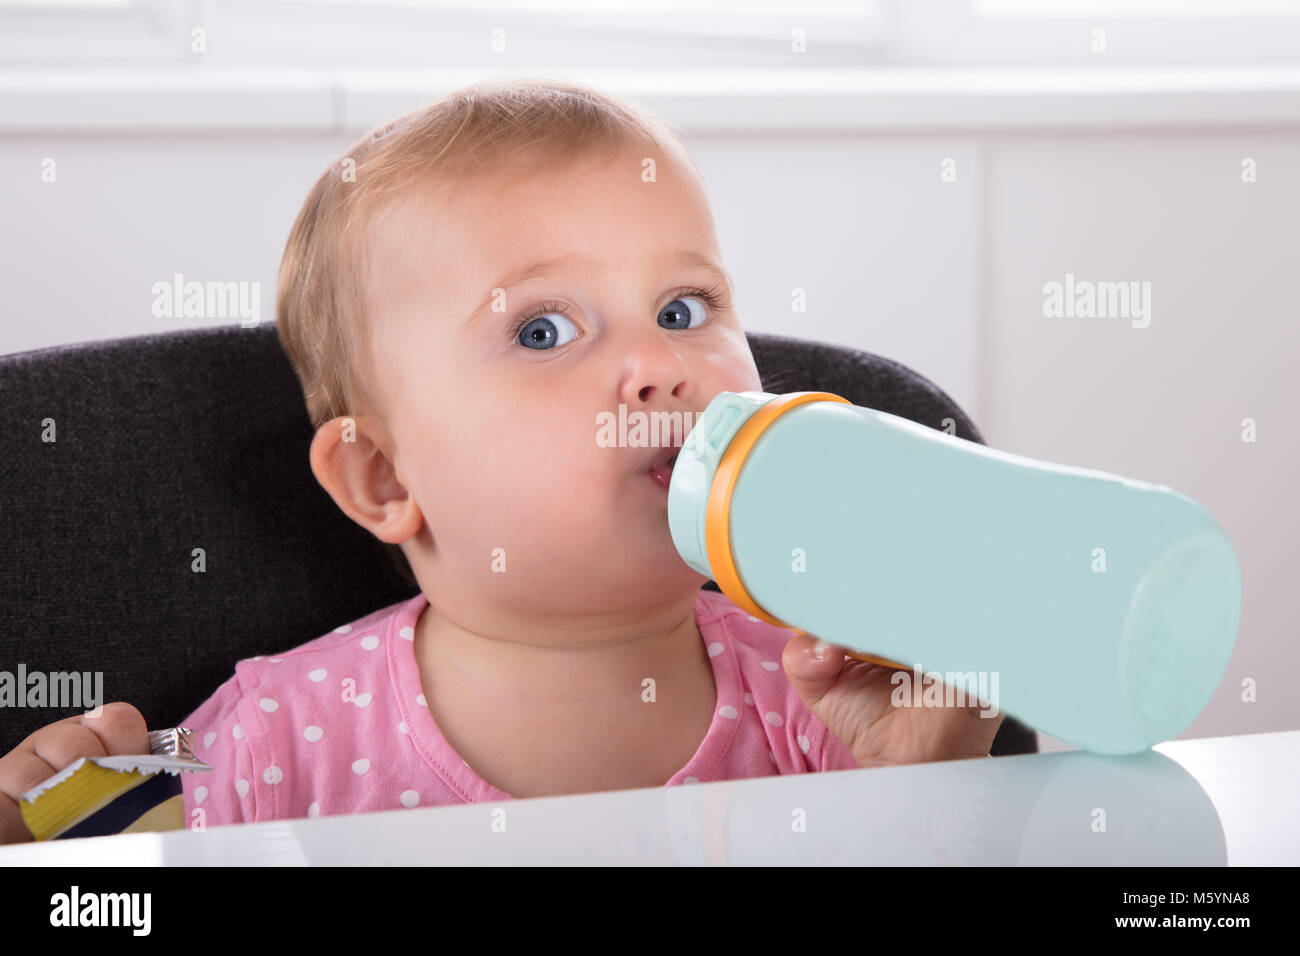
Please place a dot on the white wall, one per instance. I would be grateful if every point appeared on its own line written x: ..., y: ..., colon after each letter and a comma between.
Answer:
x: 1164, y: 403
x: 837, y: 191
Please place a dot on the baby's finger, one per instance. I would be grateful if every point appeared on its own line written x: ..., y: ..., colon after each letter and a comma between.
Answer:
x: 62, y: 744
x: 805, y: 643
x: 12, y: 827
x: 120, y: 728
x: 21, y: 771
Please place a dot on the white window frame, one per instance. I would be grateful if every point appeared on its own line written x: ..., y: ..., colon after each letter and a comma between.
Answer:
x: 673, y: 35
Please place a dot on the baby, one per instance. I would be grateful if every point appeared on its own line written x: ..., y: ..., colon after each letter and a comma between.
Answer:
x: 462, y: 296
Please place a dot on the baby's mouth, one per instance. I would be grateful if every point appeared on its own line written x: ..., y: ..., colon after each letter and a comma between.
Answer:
x: 661, y: 468
x: 665, y: 456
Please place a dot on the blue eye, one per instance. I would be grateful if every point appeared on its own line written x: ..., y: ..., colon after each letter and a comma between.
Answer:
x: 680, y: 312
x: 536, y: 329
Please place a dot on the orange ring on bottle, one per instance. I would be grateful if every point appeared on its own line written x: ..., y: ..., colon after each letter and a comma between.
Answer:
x: 717, y: 519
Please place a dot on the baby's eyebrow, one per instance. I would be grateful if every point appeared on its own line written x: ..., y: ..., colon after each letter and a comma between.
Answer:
x: 534, y: 270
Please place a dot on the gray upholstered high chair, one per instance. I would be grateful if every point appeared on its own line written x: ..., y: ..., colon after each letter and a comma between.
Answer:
x: 199, y: 438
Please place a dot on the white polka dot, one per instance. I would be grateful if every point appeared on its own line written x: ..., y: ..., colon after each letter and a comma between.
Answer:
x: 237, y: 732
x: 421, y: 701
x: 241, y: 786
x: 209, y: 738
x: 803, y: 743
x: 769, y: 665
x: 715, y: 649
x: 407, y: 633
x: 345, y: 629
x: 773, y: 718
x: 268, y: 704
x: 317, y: 675
x: 772, y: 756
x: 690, y: 780
x: 314, y: 809
x: 410, y: 798
x: 363, y: 700
x: 726, y: 710
x: 313, y: 734
x: 273, y: 774
x: 749, y: 699
x: 370, y: 642
x: 401, y: 728
x: 200, y: 794
x: 359, y: 767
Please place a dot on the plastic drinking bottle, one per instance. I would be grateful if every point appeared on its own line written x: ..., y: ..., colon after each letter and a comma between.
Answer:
x: 1098, y: 609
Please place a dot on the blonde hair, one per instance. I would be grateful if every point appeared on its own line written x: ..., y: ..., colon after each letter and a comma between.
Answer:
x: 521, y: 123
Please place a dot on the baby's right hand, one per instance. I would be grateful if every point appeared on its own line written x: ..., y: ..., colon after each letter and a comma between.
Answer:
x: 119, y: 729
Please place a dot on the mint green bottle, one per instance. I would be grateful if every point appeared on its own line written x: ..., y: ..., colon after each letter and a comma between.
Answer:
x: 1097, y: 609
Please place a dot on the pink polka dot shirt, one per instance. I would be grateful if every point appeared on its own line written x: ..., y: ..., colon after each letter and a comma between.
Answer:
x: 340, y: 724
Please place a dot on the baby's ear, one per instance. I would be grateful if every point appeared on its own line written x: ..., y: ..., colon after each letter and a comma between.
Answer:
x: 349, y: 463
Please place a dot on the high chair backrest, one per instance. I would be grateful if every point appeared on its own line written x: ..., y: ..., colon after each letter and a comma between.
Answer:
x: 128, y: 464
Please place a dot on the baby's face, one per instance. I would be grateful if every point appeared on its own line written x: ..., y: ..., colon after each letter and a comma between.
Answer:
x: 493, y: 415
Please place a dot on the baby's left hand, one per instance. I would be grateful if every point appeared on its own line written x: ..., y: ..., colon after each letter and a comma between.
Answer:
x: 852, y: 698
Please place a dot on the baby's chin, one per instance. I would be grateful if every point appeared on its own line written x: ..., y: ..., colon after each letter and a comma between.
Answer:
x: 666, y: 574
x: 643, y: 564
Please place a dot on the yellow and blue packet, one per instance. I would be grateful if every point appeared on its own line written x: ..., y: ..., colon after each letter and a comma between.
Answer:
x: 99, y: 796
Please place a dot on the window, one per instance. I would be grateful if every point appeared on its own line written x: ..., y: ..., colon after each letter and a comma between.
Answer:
x: 489, y: 36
